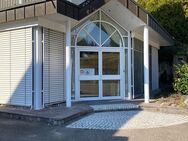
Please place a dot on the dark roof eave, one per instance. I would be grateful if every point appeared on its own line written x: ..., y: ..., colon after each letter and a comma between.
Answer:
x: 78, y: 12
x: 154, y: 24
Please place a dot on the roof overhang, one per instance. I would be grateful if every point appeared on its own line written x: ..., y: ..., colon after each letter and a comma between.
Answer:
x: 133, y: 23
x: 122, y: 15
x: 154, y: 37
x: 126, y: 12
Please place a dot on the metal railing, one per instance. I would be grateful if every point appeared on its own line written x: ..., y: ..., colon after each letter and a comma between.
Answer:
x: 78, y: 11
x: 28, y: 10
x: 16, y: 7
x: 147, y: 18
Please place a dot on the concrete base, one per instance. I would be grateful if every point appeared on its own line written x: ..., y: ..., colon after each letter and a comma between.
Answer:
x: 56, y: 115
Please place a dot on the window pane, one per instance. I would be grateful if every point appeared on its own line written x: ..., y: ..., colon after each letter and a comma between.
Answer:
x: 85, y: 40
x: 111, y: 63
x: 138, y: 68
x: 111, y: 88
x: 106, y: 18
x: 88, y: 63
x: 89, y: 89
x: 126, y: 41
x: 94, y: 30
x: 138, y: 74
x: 77, y: 28
x: 73, y: 39
x: 138, y: 45
x: 114, y: 41
x: 106, y: 31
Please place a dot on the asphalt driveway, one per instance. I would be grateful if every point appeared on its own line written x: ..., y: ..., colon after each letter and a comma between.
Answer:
x: 16, y: 130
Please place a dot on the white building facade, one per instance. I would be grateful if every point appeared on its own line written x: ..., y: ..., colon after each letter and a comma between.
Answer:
x: 61, y: 52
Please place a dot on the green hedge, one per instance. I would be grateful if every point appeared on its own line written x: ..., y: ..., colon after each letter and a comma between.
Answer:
x: 181, y: 78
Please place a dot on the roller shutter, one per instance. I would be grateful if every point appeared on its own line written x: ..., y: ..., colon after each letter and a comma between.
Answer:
x: 16, y: 67
x: 5, y: 95
x: 53, y: 67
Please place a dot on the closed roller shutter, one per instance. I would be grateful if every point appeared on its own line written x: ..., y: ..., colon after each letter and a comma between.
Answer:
x: 5, y: 68
x: 18, y: 54
x: 53, y: 68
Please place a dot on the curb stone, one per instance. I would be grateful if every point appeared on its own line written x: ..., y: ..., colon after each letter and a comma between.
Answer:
x: 49, y: 121
x: 164, y: 109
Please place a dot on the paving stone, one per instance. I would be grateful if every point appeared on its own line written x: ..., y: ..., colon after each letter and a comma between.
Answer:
x: 128, y: 120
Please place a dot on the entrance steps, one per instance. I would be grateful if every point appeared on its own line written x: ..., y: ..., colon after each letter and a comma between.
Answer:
x: 60, y: 114
x: 115, y: 107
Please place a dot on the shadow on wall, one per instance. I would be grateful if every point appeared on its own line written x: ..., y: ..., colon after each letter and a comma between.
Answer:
x: 17, y: 87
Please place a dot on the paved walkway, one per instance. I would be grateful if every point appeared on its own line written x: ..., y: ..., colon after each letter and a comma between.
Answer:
x: 16, y: 130
x: 59, y: 114
x: 128, y: 120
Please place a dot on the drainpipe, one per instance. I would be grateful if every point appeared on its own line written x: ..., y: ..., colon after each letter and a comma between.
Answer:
x: 38, y: 69
x: 129, y: 67
x: 146, y: 64
x: 68, y: 64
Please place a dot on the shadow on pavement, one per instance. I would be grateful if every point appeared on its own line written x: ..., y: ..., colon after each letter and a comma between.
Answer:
x: 16, y: 130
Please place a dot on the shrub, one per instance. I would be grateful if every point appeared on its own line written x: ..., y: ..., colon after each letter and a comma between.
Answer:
x: 181, y: 78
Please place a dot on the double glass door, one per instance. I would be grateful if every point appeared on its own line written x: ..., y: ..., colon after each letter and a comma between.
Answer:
x: 99, y: 73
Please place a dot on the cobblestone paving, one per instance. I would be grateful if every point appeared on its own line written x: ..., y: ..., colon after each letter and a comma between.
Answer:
x: 106, y: 107
x: 128, y: 120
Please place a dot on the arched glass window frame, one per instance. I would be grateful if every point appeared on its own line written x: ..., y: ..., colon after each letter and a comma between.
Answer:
x: 86, y: 23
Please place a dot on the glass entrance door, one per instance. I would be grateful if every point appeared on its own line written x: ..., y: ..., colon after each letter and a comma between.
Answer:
x: 89, y: 74
x: 110, y: 76
x: 99, y: 75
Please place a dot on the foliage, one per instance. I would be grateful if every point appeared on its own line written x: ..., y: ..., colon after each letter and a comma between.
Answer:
x: 181, y: 78
x: 172, y: 14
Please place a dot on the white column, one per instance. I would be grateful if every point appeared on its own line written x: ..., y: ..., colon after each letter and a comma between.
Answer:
x: 129, y: 67
x: 146, y: 64
x: 68, y: 64
x: 38, y: 69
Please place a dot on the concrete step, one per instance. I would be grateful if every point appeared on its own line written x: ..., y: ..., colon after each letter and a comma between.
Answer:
x: 115, y: 107
x: 56, y: 115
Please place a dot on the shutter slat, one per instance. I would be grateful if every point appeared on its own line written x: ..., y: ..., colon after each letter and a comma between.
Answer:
x: 54, y: 62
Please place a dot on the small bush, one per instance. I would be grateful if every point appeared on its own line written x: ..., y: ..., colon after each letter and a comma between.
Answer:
x: 181, y: 78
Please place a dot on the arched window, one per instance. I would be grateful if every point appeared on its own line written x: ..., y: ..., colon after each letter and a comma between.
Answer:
x: 98, y: 31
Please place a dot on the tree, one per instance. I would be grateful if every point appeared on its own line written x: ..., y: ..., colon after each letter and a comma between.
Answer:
x: 172, y: 14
